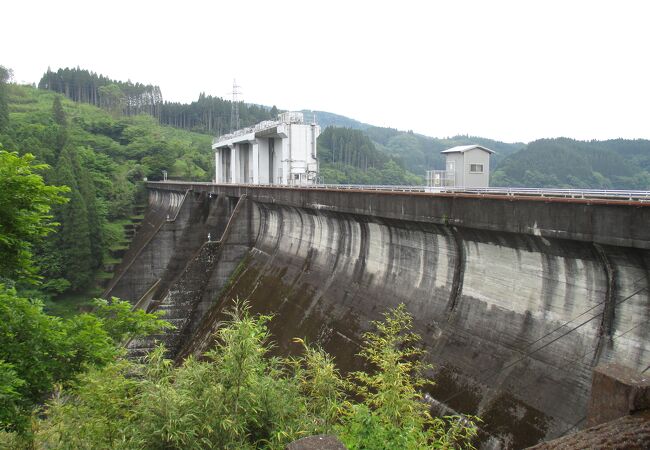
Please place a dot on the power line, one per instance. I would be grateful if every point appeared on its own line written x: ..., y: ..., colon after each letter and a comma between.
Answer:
x: 582, y: 419
x: 527, y: 355
x: 581, y: 361
x: 569, y: 362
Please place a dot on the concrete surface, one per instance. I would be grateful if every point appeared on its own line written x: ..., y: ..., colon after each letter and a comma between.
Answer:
x: 626, y: 433
x: 617, y: 391
x: 514, y: 316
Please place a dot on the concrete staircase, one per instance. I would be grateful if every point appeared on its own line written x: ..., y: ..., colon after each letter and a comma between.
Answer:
x: 189, y: 286
x: 129, y: 230
x: 180, y: 304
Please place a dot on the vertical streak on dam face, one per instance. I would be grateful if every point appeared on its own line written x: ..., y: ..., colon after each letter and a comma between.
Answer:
x: 515, y: 289
x: 482, y: 299
x: 629, y: 336
x: 459, y: 271
x: 513, y: 292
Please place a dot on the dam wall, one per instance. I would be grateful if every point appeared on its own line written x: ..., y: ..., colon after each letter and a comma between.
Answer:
x: 621, y: 223
x: 513, y: 321
x: 192, y: 292
x: 162, y: 207
x: 174, y: 227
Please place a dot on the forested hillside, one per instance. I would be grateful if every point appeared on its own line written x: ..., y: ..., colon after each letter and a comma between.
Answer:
x: 420, y: 153
x: 327, y: 119
x: 415, y: 152
x: 88, y: 87
x: 353, y: 156
x: 206, y: 115
x: 567, y: 163
x: 348, y: 156
x: 103, y: 158
x: 359, y: 153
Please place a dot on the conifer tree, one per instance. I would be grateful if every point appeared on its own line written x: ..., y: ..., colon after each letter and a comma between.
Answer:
x: 75, y: 259
x: 89, y: 196
x: 58, y: 113
x: 5, y: 75
x: 60, y: 119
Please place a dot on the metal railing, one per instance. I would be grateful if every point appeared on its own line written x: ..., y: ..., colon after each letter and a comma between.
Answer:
x: 619, y: 194
x: 506, y: 191
x: 284, y: 118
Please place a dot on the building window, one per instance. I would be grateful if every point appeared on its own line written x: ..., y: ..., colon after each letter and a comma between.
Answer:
x: 476, y: 168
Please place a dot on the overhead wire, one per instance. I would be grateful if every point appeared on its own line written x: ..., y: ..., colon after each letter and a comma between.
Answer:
x: 528, y: 354
x: 579, y: 360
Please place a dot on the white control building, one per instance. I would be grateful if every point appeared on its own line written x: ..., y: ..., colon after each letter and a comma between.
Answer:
x: 279, y: 151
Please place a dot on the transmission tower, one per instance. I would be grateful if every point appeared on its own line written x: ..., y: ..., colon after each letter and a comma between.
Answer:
x: 234, y: 109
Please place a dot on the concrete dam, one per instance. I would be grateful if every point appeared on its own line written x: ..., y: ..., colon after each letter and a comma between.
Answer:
x: 517, y: 299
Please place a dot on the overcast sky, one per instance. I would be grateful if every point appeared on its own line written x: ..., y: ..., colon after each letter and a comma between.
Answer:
x: 507, y: 70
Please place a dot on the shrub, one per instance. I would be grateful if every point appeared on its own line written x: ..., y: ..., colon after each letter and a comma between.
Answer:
x: 238, y: 396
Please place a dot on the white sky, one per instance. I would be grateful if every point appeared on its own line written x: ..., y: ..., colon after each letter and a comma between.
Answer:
x: 507, y: 70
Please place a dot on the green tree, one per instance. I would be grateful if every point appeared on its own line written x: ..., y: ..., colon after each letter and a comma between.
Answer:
x: 122, y: 323
x: 10, y: 396
x: 238, y: 396
x: 71, y: 244
x: 58, y: 113
x: 112, y: 98
x: 393, y: 412
x: 37, y: 350
x: 76, y: 251
x: 101, y: 414
x: 95, y: 220
x: 61, y: 123
x: 5, y: 75
x: 25, y: 214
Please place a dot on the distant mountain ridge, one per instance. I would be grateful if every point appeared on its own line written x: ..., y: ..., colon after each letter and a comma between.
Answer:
x: 417, y: 152
x: 569, y: 163
x: 327, y: 119
x: 560, y: 162
x: 554, y: 163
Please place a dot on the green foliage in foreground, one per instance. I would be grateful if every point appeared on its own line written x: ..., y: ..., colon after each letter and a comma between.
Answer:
x: 393, y: 413
x: 239, y: 397
x: 25, y: 212
x: 38, y: 351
